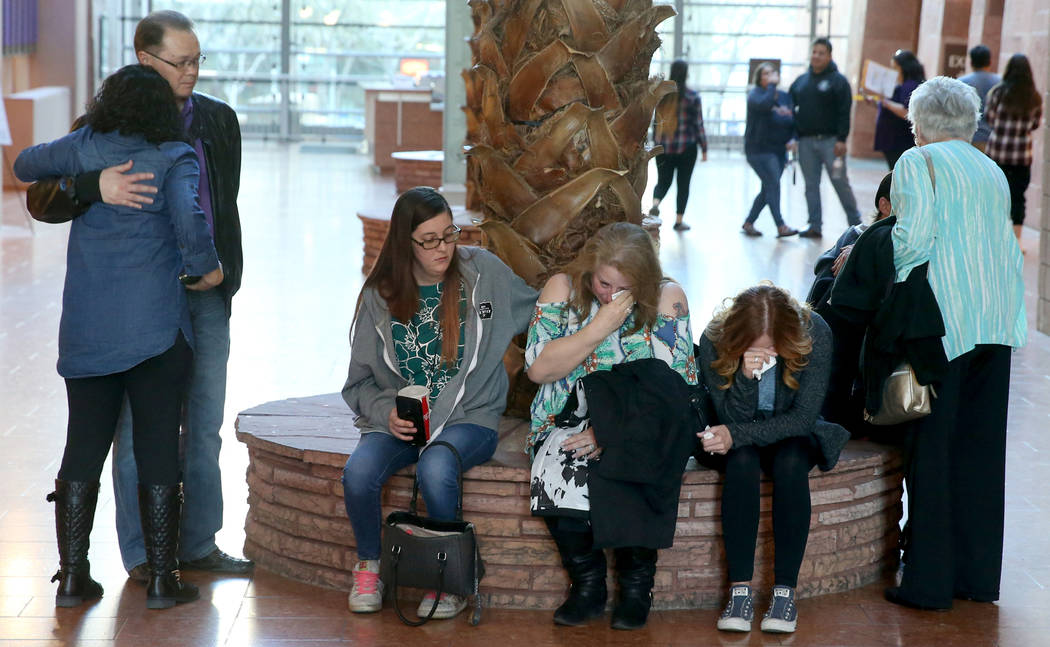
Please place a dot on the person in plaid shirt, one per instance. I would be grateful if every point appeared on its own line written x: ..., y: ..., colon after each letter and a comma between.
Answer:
x: 1013, y: 110
x: 680, y: 149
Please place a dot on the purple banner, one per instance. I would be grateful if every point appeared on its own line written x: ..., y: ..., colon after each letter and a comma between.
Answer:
x: 19, y: 26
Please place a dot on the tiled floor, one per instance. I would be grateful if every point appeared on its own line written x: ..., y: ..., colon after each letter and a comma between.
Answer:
x: 302, y: 245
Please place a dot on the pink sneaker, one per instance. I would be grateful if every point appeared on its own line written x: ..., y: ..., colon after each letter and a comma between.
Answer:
x: 367, y: 594
x: 448, y: 607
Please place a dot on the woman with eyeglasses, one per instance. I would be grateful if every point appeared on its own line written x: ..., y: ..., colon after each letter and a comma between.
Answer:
x: 438, y: 316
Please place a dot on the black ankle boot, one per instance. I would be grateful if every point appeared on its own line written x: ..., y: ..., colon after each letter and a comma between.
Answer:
x: 586, y: 568
x: 635, y: 572
x: 160, y: 507
x: 74, y: 516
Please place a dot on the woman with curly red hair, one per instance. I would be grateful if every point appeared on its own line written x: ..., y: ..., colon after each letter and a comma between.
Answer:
x: 765, y: 359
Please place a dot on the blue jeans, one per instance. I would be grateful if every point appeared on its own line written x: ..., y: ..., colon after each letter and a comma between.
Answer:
x: 769, y: 167
x: 817, y: 153
x: 379, y: 455
x: 202, y: 482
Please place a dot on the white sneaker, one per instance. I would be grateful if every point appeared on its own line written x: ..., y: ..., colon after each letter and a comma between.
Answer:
x: 367, y: 594
x: 739, y: 611
x: 782, y: 616
x: 448, y: 607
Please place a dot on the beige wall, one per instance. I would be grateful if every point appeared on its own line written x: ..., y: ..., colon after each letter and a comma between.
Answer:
x: 63, y: 53
x: 986, y: 24
x: 880, y: 34
x: 1026, y: 25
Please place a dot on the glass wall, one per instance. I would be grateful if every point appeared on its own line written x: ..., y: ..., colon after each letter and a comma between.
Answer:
x: 298, y: 68
x: 718, y: 39
x: 292, y: 68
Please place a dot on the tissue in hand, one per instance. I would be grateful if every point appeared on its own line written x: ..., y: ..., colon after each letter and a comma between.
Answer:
x: 758, y: 372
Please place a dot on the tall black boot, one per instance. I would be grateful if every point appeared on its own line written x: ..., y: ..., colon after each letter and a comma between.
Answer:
x: 635, y: 572
x: 160, y: 507
x: 74, y: 517
x: 586, y: 568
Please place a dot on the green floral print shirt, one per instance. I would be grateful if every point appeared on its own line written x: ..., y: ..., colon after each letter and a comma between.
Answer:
x: 669, y: 339
x: 418, y: 342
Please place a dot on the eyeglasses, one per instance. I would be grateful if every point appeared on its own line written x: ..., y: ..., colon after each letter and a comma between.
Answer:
x: 182, y: 66
x: 452, y: 235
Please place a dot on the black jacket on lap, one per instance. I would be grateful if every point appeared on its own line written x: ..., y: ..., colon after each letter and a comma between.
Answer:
x: 642, y: 420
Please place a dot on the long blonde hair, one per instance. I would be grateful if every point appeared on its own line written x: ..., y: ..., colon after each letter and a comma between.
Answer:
x: 759, y: 310
x: 630, y: 250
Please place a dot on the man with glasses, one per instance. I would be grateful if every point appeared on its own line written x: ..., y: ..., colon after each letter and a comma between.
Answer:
x: 165, y: 41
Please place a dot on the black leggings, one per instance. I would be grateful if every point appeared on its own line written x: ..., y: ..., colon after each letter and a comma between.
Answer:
x: 788, y: 462
x: 155, y: 389
x: 666, y: 165
x: 894, y: 155
x: 1018, y: 177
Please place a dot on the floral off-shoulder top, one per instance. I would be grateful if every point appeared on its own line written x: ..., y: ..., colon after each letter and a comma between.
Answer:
x: 669, y: 339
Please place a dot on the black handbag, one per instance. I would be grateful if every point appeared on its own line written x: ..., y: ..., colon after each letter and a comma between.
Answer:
x: 441, y: 556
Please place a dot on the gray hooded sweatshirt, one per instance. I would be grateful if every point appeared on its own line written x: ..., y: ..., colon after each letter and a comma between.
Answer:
x: 500, y: 306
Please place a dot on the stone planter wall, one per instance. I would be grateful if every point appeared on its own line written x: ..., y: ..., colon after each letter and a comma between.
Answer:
x: 297, y: 524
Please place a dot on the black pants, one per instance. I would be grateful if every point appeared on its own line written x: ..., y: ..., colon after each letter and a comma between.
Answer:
x: 956, y: 474
x: 666, y: 165
x: 155, y: 389
x: 893, y: 156
x: 788, y: 462
x: 1018, y: 176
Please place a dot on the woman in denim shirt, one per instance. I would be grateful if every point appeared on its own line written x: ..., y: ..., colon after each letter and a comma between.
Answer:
x: 125, y: 327
x: 770, y: 128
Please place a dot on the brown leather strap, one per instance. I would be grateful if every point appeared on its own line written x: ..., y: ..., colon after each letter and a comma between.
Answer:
x: 929, y: 167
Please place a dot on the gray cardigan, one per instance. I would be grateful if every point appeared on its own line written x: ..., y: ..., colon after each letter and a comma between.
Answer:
x: 501, y: 305
x: 796, y: 411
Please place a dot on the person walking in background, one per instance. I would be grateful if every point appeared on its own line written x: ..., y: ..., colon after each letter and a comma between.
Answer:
x: 822, y: 99
x: 1014, y: 109
x: 770, y: 126
x: 981, y: 79
x: 165, y: 41
x: 892, y: 132
x: 680, y: 149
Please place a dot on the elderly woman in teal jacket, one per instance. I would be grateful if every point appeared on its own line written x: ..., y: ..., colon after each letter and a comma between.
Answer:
x: 955, y: 214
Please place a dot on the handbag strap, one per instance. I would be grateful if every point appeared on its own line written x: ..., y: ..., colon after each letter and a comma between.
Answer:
x: 459, y: 479
x: 442, y: 562
x: 929, y: 168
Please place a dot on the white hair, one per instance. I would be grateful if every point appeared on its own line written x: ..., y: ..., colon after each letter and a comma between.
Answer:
x: 944, y: 108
